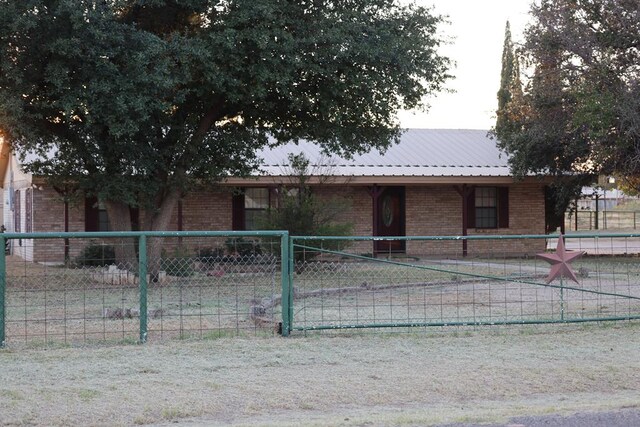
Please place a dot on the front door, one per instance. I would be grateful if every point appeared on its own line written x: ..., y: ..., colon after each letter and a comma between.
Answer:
x: 390, y: 220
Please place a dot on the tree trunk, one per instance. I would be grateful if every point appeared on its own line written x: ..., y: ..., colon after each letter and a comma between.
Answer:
x: 158, y: 220
x: 120, y: 220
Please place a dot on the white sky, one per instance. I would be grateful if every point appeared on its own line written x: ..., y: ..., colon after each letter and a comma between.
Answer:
x: 478, y: 30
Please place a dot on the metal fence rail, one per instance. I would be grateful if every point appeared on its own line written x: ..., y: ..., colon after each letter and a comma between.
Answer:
x: 435, y: 284
x: 137, y: 286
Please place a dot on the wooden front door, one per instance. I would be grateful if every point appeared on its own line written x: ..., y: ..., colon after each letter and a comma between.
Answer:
x: 390, y: 220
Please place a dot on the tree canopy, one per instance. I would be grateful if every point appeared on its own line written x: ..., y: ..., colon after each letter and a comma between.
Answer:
x: 137, y: 101
x: 580, y: 112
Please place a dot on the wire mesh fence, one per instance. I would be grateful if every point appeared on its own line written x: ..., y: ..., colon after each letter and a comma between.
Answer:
x: 134, y: 287
x: 193, y: 285
x: 589, y: 220
x: 438, y: 282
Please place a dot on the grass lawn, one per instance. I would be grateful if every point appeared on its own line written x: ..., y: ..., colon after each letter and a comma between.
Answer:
x: 423, y: 377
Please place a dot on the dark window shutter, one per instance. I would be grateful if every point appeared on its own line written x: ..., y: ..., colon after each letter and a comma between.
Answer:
x: 237, y: 211
x: 16, y: 211
x: 503, y: 207
x: 91, y: 220
x: 28, y: 212
x: 180, y: 216
x: 134, y: 213
x: 471, y: 209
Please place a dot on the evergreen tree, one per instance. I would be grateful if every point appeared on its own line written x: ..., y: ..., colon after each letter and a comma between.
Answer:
x: 510, y: 91
x: 534, y: 127
x: 581, y: 109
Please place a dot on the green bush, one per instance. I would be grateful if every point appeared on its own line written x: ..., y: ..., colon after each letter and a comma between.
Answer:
x: 96, y: 255
x: 179, y: 263
x: 243, y: 247
x: 301, y: 213
x: 210, y: 255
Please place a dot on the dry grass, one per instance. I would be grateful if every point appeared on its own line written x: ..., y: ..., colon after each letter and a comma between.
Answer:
x: 400, y: 379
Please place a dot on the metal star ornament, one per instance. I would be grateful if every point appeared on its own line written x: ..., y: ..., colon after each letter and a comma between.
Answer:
x: 561, y: 262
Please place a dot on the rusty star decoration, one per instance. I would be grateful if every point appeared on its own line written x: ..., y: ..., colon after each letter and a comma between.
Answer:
x: 561, y: 262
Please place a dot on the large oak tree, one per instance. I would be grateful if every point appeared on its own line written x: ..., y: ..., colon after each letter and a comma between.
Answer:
x: 138, y: 101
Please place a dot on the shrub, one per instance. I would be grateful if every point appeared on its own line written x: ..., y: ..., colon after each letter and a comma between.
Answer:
x: 243, y: 247
x: 210, y: 256
x: 96, y: 255
x: 179, y: 263
x: 301, y: 213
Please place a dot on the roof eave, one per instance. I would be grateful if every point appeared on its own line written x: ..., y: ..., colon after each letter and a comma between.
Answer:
x: 387, y: 180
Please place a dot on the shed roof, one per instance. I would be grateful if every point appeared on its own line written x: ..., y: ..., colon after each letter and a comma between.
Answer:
x: 420, y: 153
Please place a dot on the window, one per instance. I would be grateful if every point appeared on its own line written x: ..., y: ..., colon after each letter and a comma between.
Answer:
x: 97, y: 219
x: 95, y: 215
x: 488, y: 207
x: 249, y: 205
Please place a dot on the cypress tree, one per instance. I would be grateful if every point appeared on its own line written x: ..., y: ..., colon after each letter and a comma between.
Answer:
x: 510, y: 86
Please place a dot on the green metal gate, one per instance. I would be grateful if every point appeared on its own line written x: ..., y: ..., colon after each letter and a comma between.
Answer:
x: 498, y: 280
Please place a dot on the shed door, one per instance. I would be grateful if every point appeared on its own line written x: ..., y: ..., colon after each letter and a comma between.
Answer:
x: 390, y: 221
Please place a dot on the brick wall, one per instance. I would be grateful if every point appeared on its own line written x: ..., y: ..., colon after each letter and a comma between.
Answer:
x: 205, y: 210
x: 430, y: 210
x: 437, y: 211
x: 526, y: 216
x: 48, y: 217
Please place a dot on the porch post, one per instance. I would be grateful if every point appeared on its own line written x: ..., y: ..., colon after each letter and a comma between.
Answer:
x: 66, y: 230
x: 375, y: 193
x: 64, y: 192
x: 465, y: 192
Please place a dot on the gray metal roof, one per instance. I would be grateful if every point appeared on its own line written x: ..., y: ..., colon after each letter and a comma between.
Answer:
x: 420, y: 152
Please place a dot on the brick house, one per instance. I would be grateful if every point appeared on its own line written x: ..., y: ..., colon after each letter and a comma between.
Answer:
x: 434, y: 182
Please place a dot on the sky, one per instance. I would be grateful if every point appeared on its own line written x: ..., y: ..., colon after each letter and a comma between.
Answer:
x: 477, y: 27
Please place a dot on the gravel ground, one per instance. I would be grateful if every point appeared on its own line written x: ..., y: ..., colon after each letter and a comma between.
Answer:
x: 461, y: 376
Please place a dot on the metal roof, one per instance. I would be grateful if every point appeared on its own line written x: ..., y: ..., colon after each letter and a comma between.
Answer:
x: 420, y: 153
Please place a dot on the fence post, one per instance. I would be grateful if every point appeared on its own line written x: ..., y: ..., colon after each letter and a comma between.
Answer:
x: 3, y: 290
x: 292, y: 271
x: 142, y: 274
x: 284, y: 267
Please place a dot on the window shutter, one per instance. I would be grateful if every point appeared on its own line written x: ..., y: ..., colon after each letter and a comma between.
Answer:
x: 91, y: 214
x: 471, y: 209
x: 17, y: 206
x: 237, y: 211
x: 134, y: 214
x: 28, y: 220
x: 503, y: 207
